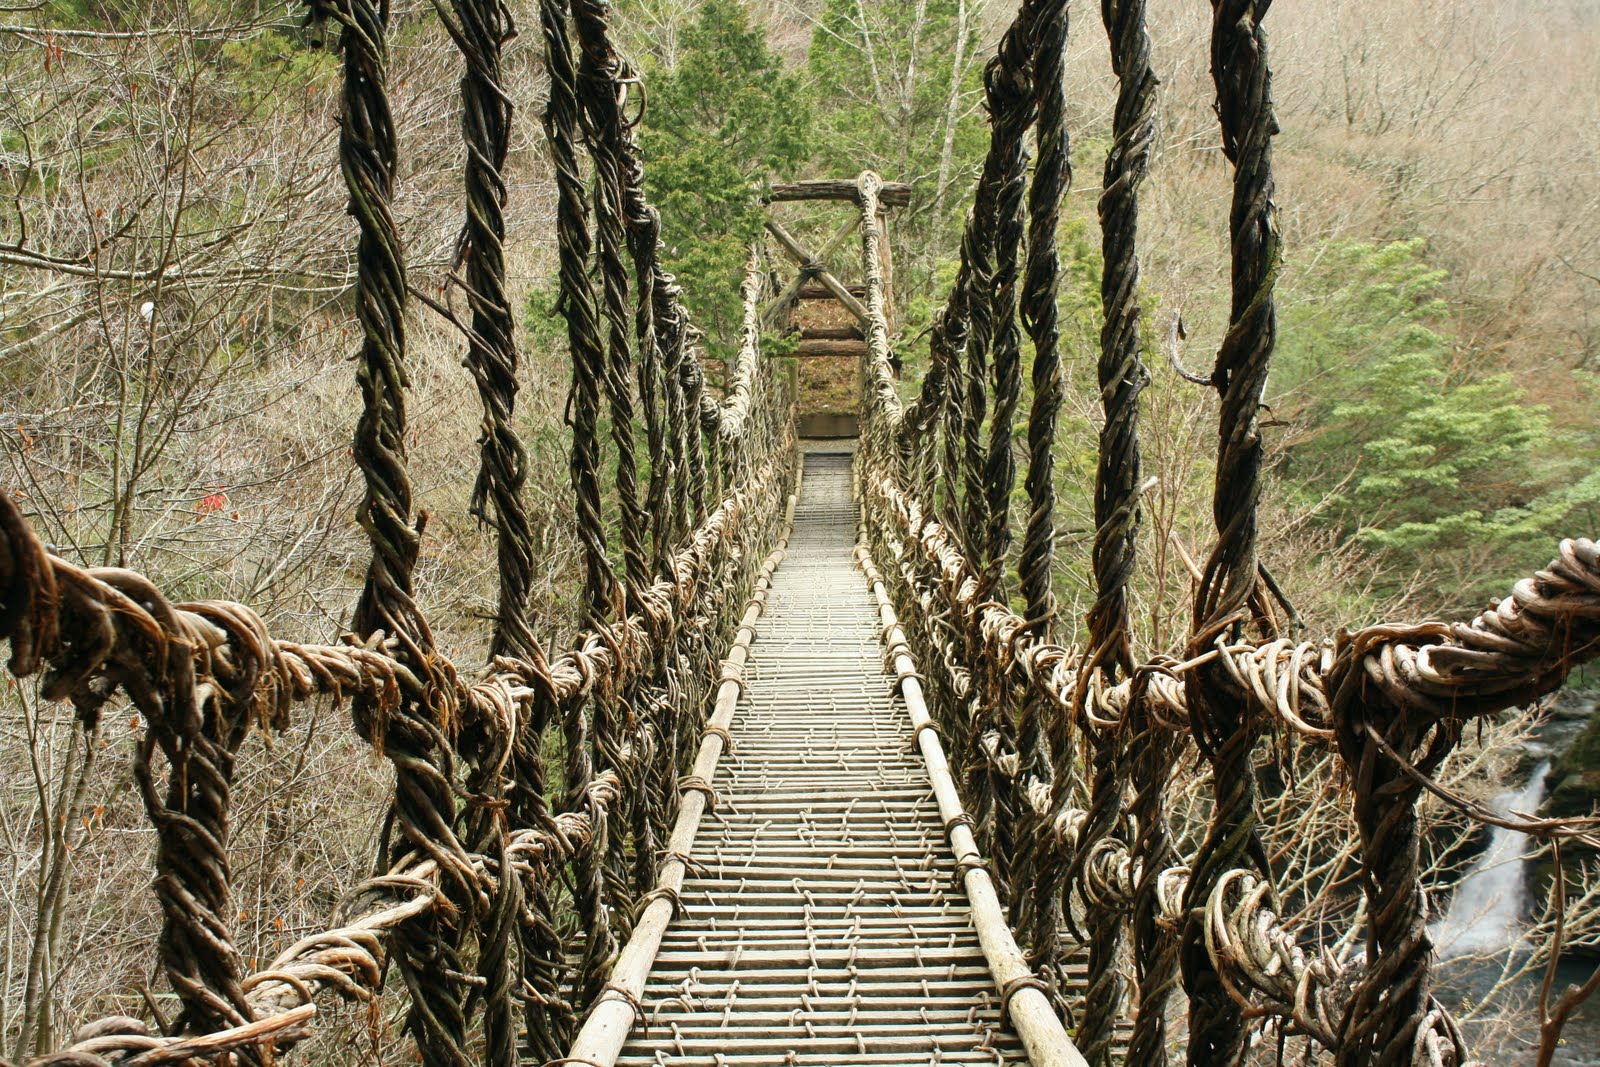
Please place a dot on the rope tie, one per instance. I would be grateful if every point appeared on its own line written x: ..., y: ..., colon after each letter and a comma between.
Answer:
x: 1017, y: 985
x: 666, y: 893
x: 963, y: 819
x: 694, y: 783
x: 692, y: 865
x: 900, y: 679
x: 732, y: 672
x: 721, y: 732
x: 971, y: 863
x: 612, y: 991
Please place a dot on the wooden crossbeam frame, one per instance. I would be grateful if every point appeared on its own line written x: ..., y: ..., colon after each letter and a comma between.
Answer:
x: 770, y: 313
x: 890, y: 194
x: 815, y: 267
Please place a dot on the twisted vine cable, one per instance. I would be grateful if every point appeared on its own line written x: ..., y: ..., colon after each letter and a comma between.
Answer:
x: 1221, y: 722
x: 601, y: 85
x: 561, y: 120
x: 1008, y: 87
x: 1155, y: 949
x: 1104, y: 918
x: 590, y: 896
x: 488, y: 746
x: 1052, y: 176
x: 1121, y: 370
x: 644, y: 238
x: 977, y: 247
x: 480, y: 29
x: 951, y: 334
x: 990, y: 246
x: 192, y: 882
x: 598, y: 88
x: 413, y: 736
x: 367, y: 158
x: 1392, y: 1001
x: 651, y: 809
x: 1122, y: 378
x: 659, y: 316
x: 547, y: 1017
x: 682, y: 415
x: 1043, y: 739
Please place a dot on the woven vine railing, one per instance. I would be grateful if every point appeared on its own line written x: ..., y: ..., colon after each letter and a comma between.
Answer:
x: 474, y: 853
x: 1065, y: 752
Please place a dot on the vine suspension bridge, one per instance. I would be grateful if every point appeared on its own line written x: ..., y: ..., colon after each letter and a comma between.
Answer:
x: 824, y: 795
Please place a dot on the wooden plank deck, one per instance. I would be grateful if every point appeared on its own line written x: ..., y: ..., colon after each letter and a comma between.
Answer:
x: 826, y: 926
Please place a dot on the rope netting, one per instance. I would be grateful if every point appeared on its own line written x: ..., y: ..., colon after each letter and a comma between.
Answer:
x: 1066, y: 754
x: 477, y: 860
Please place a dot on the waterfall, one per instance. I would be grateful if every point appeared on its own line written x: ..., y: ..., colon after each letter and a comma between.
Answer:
x: 1486, y: 910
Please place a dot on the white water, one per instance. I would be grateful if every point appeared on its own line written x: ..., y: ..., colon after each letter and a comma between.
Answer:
x: 1486, y: 910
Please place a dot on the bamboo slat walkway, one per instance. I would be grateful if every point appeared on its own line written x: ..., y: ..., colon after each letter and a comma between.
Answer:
x: 826, y: 925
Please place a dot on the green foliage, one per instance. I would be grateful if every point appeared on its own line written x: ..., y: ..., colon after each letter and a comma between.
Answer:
x: 271, y: 61
x: 719, y: 125
x: 544, y: 330
x: 886, y: 69
x: 1406, y: 446
x: 132, y: 15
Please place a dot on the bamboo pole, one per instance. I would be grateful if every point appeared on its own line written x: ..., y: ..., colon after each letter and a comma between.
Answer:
x: 1030, y: 1010
x: 614, y: 1012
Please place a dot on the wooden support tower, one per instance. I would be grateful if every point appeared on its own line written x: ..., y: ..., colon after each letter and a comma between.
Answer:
x: 823, y: 311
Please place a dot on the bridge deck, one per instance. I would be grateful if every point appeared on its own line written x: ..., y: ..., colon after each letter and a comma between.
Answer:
x: 827, y: 925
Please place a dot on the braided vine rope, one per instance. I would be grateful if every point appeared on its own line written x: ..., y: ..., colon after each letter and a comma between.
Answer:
x: 1122, y: 377
x: 1223, y: 732
x: 199, y: 744
x: 411, y: 733
x: 561, y: 118
x: 1052, y: 176
x: 599, y: 88
x: 1008, y: 90
x: 480, y: 29
x: 1041, y: 722
x: 924, y: 526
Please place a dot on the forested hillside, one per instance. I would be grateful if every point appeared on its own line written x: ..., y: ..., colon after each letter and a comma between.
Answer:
x: 176, y: 328
x: 1436, y: 376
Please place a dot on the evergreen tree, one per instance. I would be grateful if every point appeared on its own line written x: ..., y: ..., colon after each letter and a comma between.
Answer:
x: 726, y: 120
x: 1405, y: 441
